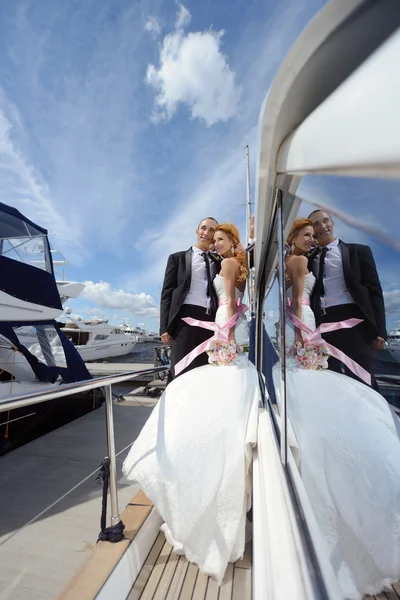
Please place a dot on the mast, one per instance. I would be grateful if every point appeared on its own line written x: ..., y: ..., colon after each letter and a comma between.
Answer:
x: 248, y: 195
x: 250, y: 276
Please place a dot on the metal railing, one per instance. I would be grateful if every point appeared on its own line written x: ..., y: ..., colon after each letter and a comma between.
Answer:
x: 67, y: 389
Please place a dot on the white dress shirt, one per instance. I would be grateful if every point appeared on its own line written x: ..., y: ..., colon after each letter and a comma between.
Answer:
x: 198, y: 286
x: 335, y: 287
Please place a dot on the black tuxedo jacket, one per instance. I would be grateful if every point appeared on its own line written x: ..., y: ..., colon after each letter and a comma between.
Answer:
x: 177, y: 280
x: 362, y: 282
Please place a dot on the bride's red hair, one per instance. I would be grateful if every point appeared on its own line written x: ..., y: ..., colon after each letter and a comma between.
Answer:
x: 297, y: 226
x: 239, y: 253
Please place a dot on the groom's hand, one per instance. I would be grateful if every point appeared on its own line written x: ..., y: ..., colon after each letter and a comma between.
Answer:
x: 379, y: 344
x: 166, y: 339
x: 251, y: 232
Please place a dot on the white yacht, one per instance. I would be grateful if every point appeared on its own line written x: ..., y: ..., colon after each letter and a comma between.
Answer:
x: 393, y: 340
x: 34, y: 353
x: 67, y: 289
x: 142, y: 334
x: 95, y: 339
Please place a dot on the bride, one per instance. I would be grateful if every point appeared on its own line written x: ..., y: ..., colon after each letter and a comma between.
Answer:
x: 193, y: 456
x: 346, y: 438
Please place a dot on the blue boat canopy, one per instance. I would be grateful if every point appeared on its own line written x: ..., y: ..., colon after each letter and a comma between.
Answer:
x: 26, y: 266
x: 13, y: 224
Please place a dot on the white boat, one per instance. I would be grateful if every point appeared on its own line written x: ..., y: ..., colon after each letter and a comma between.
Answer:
x: 393, y: 340
x: 34, y: 354
x: 96, y: 340
x: 142, y: 334
x: 67, y: 289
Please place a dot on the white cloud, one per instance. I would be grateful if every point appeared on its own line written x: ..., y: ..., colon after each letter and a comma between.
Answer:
x: 68, y: 141
x: 22, y: 184
x: 193, y: 71
x: 392, y: 302
x: 153, y: 26
x: 213, y: 181
x: 183, y: 17
x: 95, y: 312
x: 105, y: 296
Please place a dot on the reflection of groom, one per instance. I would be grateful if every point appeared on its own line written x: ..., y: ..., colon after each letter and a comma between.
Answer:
x: 347, y: 286
x: 188, y: 291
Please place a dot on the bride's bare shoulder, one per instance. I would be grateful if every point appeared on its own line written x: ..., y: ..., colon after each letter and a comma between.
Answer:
x: 296, y: 263
x: 230, y: 265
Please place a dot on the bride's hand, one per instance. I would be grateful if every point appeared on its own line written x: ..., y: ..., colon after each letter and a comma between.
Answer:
x: 295, y: 346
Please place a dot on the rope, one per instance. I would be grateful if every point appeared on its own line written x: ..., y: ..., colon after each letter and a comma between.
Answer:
x: 115, y: 533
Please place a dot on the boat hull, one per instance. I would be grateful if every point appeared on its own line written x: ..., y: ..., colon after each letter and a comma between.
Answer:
x: 108, y: 350
x: 394, y: 352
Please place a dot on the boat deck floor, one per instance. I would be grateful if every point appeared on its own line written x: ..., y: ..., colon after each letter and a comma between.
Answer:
x: 50, y: 501
x: 392, y: 593
x: 168, y: 576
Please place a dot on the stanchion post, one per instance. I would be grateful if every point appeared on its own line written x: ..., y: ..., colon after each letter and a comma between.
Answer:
x: 115, y: 518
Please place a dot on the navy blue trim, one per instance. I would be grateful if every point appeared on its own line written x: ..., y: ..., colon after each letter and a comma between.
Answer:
x: 75, y: 370
x: 15, y: 213
x: 28, y: 283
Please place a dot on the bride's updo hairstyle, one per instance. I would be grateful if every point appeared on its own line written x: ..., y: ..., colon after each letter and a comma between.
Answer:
x: 238, y: 250
x: 297, y: 226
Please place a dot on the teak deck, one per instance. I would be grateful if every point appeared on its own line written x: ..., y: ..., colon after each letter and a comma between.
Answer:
x: 392, y: 593
x: 167, y: 576
x: 163, y: 576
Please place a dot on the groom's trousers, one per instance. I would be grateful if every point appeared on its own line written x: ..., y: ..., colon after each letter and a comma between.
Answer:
x: 355, y: 342
x: 186, y: 337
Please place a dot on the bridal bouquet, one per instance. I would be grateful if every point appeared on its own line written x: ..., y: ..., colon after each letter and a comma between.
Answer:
x: 222, y: 353
x: 312, y: 356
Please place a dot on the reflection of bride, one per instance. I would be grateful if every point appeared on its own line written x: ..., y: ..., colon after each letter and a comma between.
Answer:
x: 349, y: 453
x: 192, y: 457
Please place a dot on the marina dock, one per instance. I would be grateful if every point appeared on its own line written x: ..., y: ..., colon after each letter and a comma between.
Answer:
x: 51, y: 503
x: 111, y: 368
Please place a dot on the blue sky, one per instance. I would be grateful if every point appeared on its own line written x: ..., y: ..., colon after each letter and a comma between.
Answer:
x: 123, y: 123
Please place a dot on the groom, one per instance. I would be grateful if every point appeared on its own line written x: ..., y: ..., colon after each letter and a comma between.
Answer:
x: 347, y: 286
x: 188, y: 291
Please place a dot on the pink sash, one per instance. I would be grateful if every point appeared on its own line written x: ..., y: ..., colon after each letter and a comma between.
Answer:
x: 221, y: 333
x: 315, y: 337
x: 304, y: 301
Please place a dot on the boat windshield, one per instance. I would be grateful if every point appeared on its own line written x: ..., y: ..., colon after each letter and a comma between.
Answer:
x: 43, y: 342
x: 23, y: 241
x: 29, y: 250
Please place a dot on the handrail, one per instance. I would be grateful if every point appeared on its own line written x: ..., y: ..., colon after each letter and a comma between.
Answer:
x: 67, y: 389
x: 21, y: 400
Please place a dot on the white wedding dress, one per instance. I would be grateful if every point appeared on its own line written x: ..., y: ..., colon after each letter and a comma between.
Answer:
x: 346, y: 444
x: 193, y: 457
